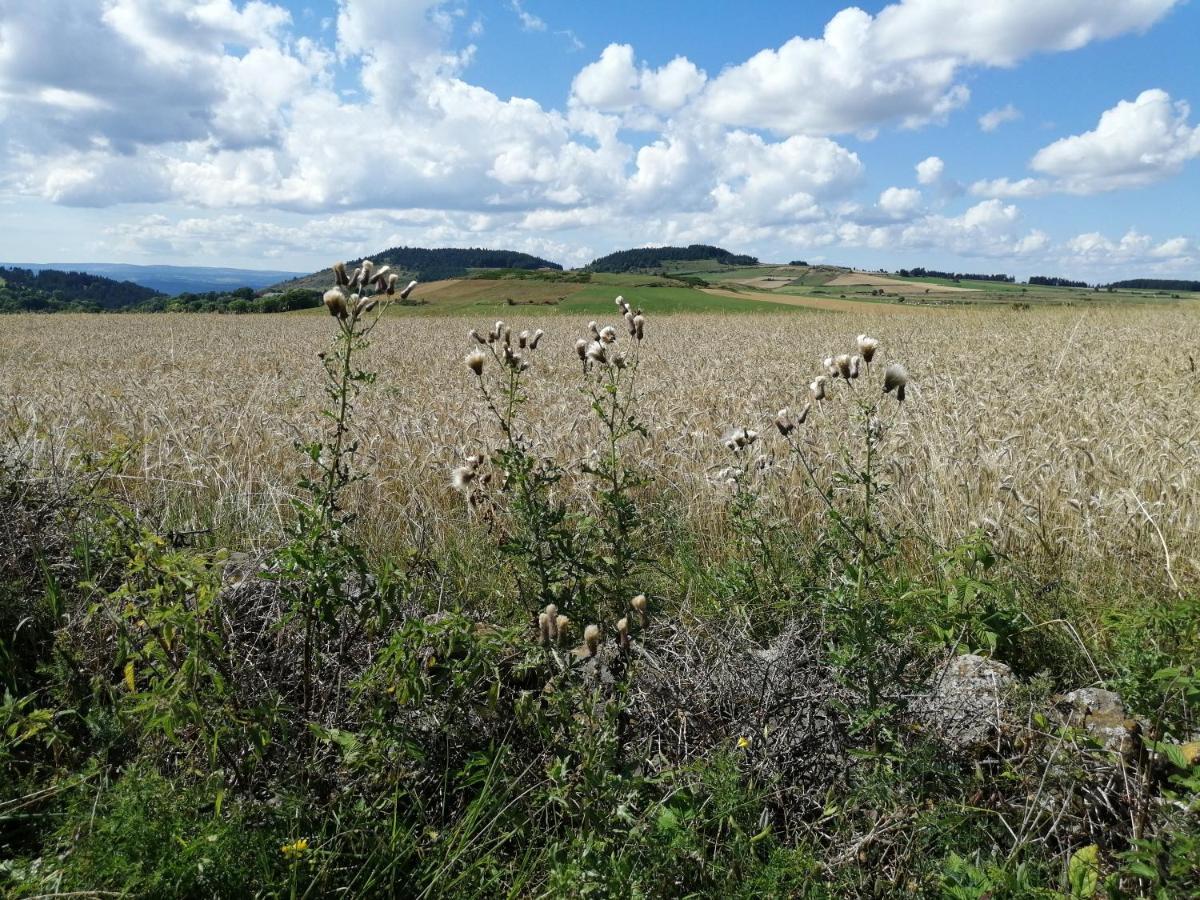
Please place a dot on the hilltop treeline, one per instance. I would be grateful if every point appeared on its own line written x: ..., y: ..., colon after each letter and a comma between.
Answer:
x: 451, y: 262
x: 1055, y: 281
x: 23, y: 290
x: 242, y: 300
x: 654, y: 257
x: 920, y: 272
x: 1156, y: 284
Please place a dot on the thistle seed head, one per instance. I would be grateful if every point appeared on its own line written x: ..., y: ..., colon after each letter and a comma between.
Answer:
x: 639, y: 323
x: 408, y: 290
x: 608, y: 334
x: 340, y: 277
x: 335, y: 302
x: 461, y: 477
x: 638, y: 605
x: 783, y: 421
x: 594, y: 328
x: 543, y: 628
x: 591, y: 639
x: 476, y: 336
x: 475, y: 360
x: 562, y: 628
x: 895, y: 378
x: 536, y: 339
x: 581, y: 348
x: 867, y: 347
x: 855, y: 365
x: 842, y: 361
x: 817, y: 386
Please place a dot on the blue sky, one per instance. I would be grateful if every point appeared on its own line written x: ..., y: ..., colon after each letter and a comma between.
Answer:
x: 1054, y: 136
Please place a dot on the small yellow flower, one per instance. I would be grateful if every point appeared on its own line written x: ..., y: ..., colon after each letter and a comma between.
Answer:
x: 295, y: 849
x: 743, y: 743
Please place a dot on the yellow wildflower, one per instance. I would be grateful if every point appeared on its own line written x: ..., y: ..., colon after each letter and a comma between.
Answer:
x: 743, y: 743
x: 295, y: 849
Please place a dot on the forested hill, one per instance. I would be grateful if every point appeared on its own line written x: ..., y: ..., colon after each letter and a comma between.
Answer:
x: 435, y: 264
x: 654, y: 257
x: 22, y: 290
x: 1157, y: 284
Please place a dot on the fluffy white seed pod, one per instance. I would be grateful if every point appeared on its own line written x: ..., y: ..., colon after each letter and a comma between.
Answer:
x: 639, y: 324
x: 591, y: 639
x: 562, y: 625
x: 536, y: 339
x: 817, y: 386
x: 581, y: 347
x: 830, y: 365
x: 623, y: 633
x: 335, y: 302
x: 340, y: 277
x: 639, y: 605
x: 608, y: 334
x: 551, y: 614
x: 596, y: 353
x: 476, y: 336
x: 543, y: 628
x: 475, y: 361
x: 392, y: 281
x: 594, y: 329
x: 895, y: 378
x: 365, y: 270
x: 523, y: 339
x: 804, y: 414
x: 867, y: 347
x: 783, y: 421
x: 842, y: 361
x: 461, y: 477
x: 855, y: 365
x: 408, y: 290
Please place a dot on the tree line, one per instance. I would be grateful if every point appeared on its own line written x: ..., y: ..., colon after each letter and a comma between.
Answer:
x: 654, y: 257
x: 920, y: 272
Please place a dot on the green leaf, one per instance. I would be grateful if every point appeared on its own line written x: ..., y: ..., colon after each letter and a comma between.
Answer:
x: 1083, y: 871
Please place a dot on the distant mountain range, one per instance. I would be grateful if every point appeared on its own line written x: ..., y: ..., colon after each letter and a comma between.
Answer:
x: 172, y: 279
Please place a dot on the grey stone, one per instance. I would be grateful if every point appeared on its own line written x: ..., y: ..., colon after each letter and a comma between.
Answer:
x: 964, y: 703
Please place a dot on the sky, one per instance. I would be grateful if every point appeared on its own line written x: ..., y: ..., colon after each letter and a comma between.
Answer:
x: 1050, y: 137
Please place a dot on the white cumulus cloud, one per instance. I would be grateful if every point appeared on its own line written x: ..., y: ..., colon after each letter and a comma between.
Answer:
x: 1136, y: 143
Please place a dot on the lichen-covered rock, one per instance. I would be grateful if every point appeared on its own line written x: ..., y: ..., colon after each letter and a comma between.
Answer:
x: 964, y: 703
x: 1103, y: 716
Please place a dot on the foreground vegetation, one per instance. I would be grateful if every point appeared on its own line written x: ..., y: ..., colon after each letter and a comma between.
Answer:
x: 300, y: 605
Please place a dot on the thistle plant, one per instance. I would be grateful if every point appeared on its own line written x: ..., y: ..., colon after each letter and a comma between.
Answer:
x: 858, y: 537
x: 609, y: 367
x: 322, y: 567
x: 542, y: 535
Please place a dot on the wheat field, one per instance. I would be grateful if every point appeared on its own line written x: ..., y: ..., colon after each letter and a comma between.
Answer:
x: 1070, y: 438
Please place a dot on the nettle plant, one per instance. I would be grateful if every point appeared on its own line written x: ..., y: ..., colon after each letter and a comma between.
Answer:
x: 581, y: 561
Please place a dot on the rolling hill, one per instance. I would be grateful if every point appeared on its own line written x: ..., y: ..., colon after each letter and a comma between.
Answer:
x: 429, y: 264
x: 49, y: 290
x: 648, y: 258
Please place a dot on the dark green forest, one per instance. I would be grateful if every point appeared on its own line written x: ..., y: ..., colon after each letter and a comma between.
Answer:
x: 50, y: 290
x: 654, y: 257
